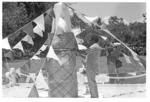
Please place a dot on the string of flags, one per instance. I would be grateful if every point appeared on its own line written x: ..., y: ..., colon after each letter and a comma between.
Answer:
x: 37, y: 26
x: 28, y: 39
x: 19, y: 46
x: 60, y: 24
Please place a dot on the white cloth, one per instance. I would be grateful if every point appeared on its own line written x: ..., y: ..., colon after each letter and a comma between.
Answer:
x: 19, y: 46
x: 28, y: 39
x: 5, y: 44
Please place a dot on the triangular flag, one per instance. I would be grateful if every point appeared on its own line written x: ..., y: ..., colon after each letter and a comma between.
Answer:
x: 28, y: 39
x: 82, y: 47
x: 19, y: 46
x: 41, y: 49
x: 127, y: 58
x: 95, y: 45
x: 40, y: 22
x: 52, y: 54
x: 76, y: 31
x: 33, y: 92
x: 5, y: 44
x: 35, y: 57
x: 38, y: 52
x: 28, y: 29
x: 91, y: 19
x: 103, y: 37
x: 38, y: 30
x: 40, y: 81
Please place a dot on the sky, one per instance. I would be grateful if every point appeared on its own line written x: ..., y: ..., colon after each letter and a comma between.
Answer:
x: 129, y: 11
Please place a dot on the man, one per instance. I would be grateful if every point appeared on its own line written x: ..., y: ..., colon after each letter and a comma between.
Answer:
x: 92, y: 66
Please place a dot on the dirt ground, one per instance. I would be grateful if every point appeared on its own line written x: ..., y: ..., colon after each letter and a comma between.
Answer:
x: 105, y: 90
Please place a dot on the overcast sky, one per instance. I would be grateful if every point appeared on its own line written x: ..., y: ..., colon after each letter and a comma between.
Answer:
x: 129, y: 11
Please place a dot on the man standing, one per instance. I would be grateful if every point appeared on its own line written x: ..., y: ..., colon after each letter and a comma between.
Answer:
x: 93, y: 65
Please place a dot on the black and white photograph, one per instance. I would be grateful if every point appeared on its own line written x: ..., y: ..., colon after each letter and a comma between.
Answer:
x: 73, y: 49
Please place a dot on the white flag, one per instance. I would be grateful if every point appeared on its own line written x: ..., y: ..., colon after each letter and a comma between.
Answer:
x: 40, y: 22
x: 52, y: 54
x: 104, y: 37
x: 76, y: 31
x: 82, y: 47
x: 40, y: 81
x: 41, y: 49
x: 19, y: 46
x: 38, y: 30
x: 38, y: 52
x: 35, y: 57
x: 28, y: 39
x: 91, y: 19
x: 5, y: 44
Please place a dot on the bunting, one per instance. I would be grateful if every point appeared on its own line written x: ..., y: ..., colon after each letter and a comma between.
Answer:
x: 60, y: 25
x: 76, y: 31
x: 28, y: 29
x: 28, y: 39
x: 43, y: 48
x: 35, y: 58
x: 19, y: 46
x: 33, y: 92
x: 40, y: 22
x: 38, y: 31
x: 82, y: 47
x: 103, y: 37
x: 5, y: 44
x: 40, y: 25
x: 40, y: 81
x: 52, y: 54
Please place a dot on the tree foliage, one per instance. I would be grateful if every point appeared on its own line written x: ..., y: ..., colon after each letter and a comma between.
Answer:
x: 17, y: 14
x: 133, y: 34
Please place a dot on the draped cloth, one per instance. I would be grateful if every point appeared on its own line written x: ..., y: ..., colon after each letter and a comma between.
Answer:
x: 62, y: 78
